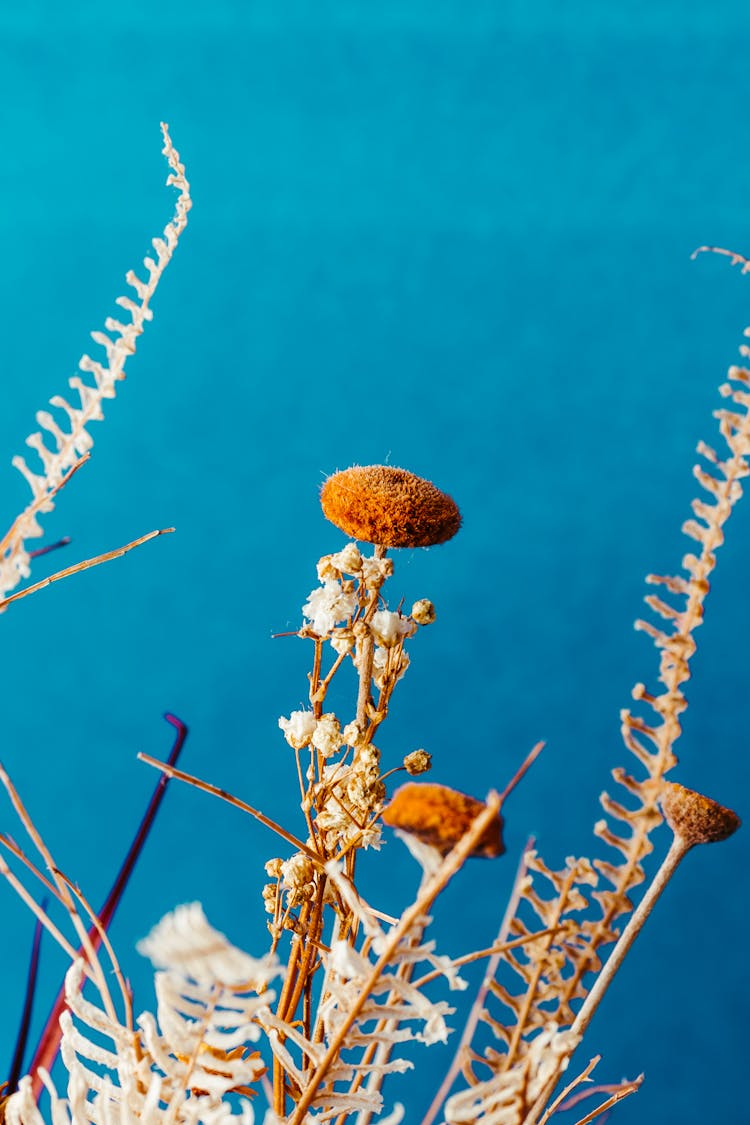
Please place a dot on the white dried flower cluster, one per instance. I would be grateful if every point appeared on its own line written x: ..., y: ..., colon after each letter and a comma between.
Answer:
x: 348, y: 798
x: 327, y: 605
x: 303, y: 729
x: 298, y: 878
x: 327, y: 737
x: 375, y: 572
x: 390, y: 629
x: 298, y: 728
x: 346, y: 561
x: 335, y: 600
x: 388, y: 664
x: 334, y: 611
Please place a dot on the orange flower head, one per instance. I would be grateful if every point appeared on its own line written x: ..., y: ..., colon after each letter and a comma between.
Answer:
x: 388, y: 506
x: 440, y: 816
x: 695, y: 818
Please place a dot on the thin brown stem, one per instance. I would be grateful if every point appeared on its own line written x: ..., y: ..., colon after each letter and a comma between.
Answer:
x: 674, y: 856
x: 565, y: 1094
x: 222, y: 794
x: 325, y: 682
x: 528, y: 761
x: 315, y: 679
x: 493, y: 951
x: 85, y: 565
x: 283, y: 1006
x: 623, y: 1091
x: 671, y: 862
x: 36, y: 909
x: 476, y: 1008
x: 537, y: 973
x: 38, y: 503
x: 9, y: 843
x: 432, y: 888
x: 364, y: 697
x: 87, y: 948
x: 104, y: 938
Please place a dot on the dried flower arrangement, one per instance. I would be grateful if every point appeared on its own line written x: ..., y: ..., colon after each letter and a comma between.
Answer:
x: 317, y: 1022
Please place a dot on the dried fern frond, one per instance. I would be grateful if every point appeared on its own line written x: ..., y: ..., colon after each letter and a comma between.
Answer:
x: 180, y: 1066
x: 60, y: 447
x: 554, y: 977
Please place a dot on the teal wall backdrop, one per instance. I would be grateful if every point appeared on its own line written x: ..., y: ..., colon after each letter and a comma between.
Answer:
x: 455, y: 237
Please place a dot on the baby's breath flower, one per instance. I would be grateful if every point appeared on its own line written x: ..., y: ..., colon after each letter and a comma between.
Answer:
x: 328, y: 604
x: 389, y: 628
x: 369, y: 757
x: 423, y: 612
x: 352, y: 734
x: 348, y: 560
x: 298, y: 728
x: 419, y: 761
x: 296, y: 871
x: 273, y: 868
x: 327, y: 736
x: 385, y: 667
x: 375, y: 572
x: 326, y: 570
x: 372, y: 836
x: 297, y: 878
x: 342, y: 641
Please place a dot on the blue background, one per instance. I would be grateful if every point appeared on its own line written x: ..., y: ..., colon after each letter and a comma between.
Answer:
x: 452, y: 237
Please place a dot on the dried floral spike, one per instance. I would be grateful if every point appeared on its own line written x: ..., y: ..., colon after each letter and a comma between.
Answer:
x: 694, y: 818
x: 388, y: 506
x: 440, y: 816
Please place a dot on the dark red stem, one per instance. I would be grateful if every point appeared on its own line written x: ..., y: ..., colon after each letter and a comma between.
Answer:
x: 49, y: 1042
x: 50, y: 547
x: 28, y: 1004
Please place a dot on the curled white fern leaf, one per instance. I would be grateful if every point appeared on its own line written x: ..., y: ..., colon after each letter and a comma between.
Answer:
x: 186, y: 944
x: 176, y: 1069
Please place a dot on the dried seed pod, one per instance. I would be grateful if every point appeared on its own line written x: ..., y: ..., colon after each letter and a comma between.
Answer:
x: 440, y: 816
x: 423, y: 612
x: 694, y: 818
x: 419, y: 761
x: 388, y: 506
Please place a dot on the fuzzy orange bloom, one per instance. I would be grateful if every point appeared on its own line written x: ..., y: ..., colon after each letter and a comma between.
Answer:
x: 697, y: 819
x: 388, y: 506
x: 440, y: 816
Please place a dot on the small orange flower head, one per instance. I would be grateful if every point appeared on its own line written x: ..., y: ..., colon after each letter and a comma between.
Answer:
x: 695, y: 818
x: 388, y: 506
x: 440, y: 816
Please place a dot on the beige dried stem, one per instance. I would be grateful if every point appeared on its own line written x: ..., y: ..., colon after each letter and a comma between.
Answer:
x: 62, y: 892
x: 86, y: 564
x: 554, y: 974
x: 694, y: 819
x: 411, y: 917
x: 66, y: 438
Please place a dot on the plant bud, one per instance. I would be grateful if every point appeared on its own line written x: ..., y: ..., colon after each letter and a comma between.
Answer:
x: 423, y: 612
x: 419, y: 761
